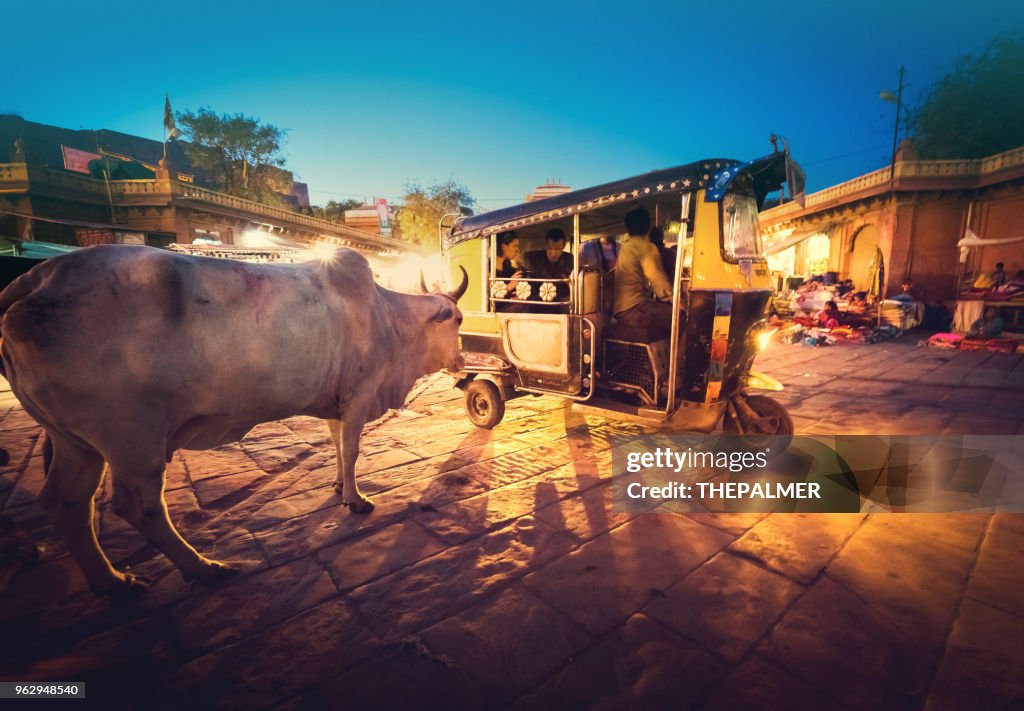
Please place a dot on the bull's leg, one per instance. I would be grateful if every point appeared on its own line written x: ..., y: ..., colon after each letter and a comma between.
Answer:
x: 139, y: 500
x: 347, y: 443
x: 73, y: 474
x: 334, y: 427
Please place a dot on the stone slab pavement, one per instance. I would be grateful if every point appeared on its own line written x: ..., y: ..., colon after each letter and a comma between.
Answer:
x: 495, y: 574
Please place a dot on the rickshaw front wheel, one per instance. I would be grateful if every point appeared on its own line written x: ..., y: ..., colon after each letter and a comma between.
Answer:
x: 770, y: 426
x: 484, y: 405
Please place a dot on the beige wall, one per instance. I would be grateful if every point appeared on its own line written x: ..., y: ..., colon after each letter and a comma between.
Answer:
x: 1002, y: 216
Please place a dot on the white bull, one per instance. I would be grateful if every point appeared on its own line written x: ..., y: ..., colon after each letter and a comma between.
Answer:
x: 125, y: 354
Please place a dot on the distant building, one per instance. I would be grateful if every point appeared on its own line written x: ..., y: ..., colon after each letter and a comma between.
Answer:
x: 50, y: 192
x: 376, y: 218
x: 67, y: 149
x: 547, y: 190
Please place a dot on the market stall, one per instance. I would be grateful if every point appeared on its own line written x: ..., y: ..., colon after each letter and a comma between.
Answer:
x: 828, y: 311
x: 978, y: 295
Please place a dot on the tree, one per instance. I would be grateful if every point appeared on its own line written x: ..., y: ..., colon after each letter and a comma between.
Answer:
x: 240, y: 154
x: 976, y: 109
x: 334, y: 211
x: 422, y: 210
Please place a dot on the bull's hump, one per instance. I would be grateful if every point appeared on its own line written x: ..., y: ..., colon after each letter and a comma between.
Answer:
x: 347, y: 271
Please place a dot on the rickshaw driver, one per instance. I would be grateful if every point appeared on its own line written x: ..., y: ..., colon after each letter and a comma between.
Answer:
x: 640, y: 281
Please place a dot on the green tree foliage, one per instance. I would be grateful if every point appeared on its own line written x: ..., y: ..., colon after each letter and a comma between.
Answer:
x: 242, y: 155
x: 334, y: 211
x: 975, y: 110
x: 422, y: 209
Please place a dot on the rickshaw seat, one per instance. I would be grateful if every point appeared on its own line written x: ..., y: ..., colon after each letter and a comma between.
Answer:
x: 632, y: 334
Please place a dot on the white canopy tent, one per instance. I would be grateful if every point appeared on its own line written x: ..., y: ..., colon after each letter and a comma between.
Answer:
x: 972, y: 240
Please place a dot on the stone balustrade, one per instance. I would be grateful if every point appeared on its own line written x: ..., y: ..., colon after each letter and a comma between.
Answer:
x: 976, y: 167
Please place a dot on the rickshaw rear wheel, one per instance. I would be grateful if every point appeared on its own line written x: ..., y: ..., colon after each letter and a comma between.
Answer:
x: 484, y: 405
x: 757, y: 435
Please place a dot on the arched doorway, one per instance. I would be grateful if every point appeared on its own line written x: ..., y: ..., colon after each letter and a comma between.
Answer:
x: 862, y: 254
x: 816, y: 249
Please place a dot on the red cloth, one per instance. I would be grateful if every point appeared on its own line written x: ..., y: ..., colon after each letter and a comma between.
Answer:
x: 973, y: 344
x: 1002, y: 345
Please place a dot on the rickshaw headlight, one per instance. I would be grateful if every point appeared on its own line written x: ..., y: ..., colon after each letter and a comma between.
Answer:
x: 764, y: 338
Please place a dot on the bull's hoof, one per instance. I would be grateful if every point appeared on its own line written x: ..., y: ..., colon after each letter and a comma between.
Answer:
x: 362, y: 505
x: 125, y: 590
x: 214, y: 572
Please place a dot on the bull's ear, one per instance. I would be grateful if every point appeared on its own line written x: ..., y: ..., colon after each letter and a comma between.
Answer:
x: 443, y: 314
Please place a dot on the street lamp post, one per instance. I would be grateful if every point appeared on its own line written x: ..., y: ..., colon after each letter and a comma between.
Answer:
x: 898, y: 100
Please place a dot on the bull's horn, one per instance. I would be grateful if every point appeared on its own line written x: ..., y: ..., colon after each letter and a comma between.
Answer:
x: 457, y: 294
x: 423, y: 283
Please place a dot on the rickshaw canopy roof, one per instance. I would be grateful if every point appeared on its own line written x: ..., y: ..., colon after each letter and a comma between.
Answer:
x: 715, y: 174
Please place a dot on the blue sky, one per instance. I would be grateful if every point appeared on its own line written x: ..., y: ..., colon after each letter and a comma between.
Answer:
x: 501, y: 98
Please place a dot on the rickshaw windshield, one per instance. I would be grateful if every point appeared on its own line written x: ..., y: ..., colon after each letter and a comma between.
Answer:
x: 740, y: 236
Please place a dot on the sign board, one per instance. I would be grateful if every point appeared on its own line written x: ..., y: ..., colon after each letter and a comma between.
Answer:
x: 77, y: 160
x: 385, y: 220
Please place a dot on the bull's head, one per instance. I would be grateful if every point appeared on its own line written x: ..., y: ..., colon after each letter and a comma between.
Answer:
x: 442, y: 329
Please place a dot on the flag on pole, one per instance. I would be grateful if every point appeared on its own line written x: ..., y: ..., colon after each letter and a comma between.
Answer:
x: 172, y: 130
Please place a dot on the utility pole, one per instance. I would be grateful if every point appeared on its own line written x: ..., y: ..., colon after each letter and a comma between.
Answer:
x: 896, y: 127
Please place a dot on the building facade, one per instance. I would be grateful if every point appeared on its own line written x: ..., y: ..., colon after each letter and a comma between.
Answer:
x: 46, y: 198
x: 914, y: 213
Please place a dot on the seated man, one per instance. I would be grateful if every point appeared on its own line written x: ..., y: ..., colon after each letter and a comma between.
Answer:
x: 990, y: 280
x: 988, y: 326
x: 553, y: 263
x: 641, y: 287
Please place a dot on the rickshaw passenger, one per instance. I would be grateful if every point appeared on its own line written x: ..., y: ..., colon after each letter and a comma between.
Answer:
x: 600, y: 253
x: 508, y: 269
x: 668, y: 254
x: 552, y: 262
x: 640, y: 281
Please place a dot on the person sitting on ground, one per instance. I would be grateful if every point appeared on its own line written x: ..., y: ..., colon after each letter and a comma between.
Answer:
x: 845, y: 287
x: 858, y: 302
x: 829, y: 317
x: 909, y: 292
x: 990, y: 325
x: 552, y: 262
x: 642, y: 289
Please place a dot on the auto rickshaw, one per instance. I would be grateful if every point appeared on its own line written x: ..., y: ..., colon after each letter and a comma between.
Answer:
x: 534, y: 339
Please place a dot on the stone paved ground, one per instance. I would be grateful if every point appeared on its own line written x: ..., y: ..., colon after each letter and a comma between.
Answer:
x: 493, y: 572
